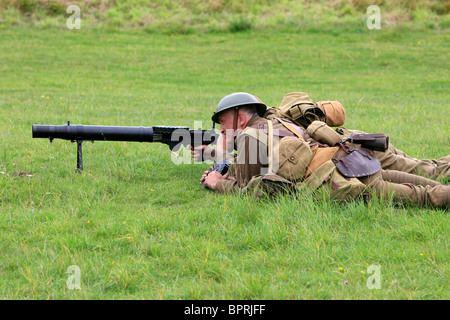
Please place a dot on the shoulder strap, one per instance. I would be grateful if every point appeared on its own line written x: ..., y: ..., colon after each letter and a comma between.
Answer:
x: 270, y: 144
x: 292, y: 129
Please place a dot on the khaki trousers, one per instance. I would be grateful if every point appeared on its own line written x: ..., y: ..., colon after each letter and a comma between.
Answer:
x: 405, y: 187
x: 394, y: 159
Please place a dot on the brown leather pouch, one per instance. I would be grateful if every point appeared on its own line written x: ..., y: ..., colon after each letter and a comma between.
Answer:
x: 354, y: 163
x: 372, y: 141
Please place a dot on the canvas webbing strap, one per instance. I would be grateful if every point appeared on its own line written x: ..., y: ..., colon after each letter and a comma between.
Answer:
x: 292, y: 129
x: 270, y: 144
x: 235, y: 120
x: 295, y: 112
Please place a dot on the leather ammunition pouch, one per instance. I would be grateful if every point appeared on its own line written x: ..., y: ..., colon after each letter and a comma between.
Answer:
x: 372, y: 141
x: 354, y: 163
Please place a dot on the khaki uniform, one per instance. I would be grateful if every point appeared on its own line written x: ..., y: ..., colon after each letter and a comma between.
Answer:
x: 299, y: 106
x: 250, y: 171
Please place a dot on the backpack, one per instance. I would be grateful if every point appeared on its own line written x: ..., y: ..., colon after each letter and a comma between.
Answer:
x: 302, y: 110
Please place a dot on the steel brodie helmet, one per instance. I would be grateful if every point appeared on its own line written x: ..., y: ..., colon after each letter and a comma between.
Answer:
x: 238, y: 99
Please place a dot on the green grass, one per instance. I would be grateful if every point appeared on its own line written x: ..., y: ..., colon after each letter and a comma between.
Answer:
x: 191, y: 16
x: 139, y: 226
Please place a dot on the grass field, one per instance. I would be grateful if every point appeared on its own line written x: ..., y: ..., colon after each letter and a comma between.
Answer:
x: 139, y: 226
x: 190, y: 16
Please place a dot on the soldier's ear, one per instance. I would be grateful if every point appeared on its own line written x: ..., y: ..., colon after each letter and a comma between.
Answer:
x: 242, y: 119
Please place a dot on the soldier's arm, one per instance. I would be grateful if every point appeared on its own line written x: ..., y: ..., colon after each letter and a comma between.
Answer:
x: 248, y: 164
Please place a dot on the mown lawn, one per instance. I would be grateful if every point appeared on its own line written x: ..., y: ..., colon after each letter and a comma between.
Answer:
x: 139, y: 226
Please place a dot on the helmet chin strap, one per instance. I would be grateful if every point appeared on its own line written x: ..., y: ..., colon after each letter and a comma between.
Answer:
x: 235, y: 120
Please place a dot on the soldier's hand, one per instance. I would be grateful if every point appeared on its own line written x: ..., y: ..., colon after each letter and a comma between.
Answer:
x: 211, y: 178
x: 207, y: 152
x: 202, y: 179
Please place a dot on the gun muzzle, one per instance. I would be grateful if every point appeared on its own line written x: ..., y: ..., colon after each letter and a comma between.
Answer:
x: 98, y: 133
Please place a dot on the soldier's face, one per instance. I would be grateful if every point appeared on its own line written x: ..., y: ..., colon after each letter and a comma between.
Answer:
x: 226, y: 122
